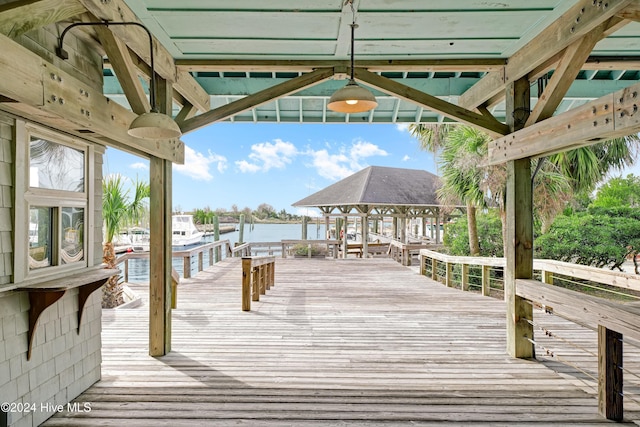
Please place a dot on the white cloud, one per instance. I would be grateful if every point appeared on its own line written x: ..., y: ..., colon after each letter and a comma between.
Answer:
x: 330, y: 166
x: 139, y: 166
x: 340, y: 165
x: 311, y: 212
x: 406, y: 158
x: 265, y: 156
x: 197, y: 165
x: 363, y: 149
x: 402, y: 127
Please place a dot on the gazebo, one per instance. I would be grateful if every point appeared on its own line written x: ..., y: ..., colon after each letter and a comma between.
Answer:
x: 377, y: 192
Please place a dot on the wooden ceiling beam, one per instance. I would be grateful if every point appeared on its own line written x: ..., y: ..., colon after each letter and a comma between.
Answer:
x: 455, y: 112
x: 255, y: 100
x: 138, y: 41
x: 564, y: 75
x: 22, y: 16
x: 124, y: 69
x: 46, y: 94
x: 305, y: 66
x: 574, y: 24
x: 610, y: 116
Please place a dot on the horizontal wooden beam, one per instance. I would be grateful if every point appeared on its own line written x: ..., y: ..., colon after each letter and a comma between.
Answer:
x: 46, y: 94
x: 305, y: 66
x: 19, y: 17
x: 610, y: 116
x: 252, y: 101
x: 574, y: 24
x: 138, y: 41
x: 391, y: 87
x: 435, y: 65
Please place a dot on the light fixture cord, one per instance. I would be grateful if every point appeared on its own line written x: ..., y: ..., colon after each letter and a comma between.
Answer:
x: 353, y: 36
x: 152, y: 77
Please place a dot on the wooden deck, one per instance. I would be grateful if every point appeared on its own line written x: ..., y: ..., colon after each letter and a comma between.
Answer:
x: 363, y: 342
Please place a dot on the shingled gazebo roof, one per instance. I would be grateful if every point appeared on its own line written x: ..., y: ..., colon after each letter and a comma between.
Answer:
x: 378, y: 186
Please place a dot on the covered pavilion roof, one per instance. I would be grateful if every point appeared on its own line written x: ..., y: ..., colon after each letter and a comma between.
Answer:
x: 381, y: 189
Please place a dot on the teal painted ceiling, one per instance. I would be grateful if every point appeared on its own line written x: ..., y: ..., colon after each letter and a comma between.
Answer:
x: 318, y: 30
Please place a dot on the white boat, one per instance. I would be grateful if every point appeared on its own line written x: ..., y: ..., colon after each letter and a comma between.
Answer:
x: 184, y: 231
x: 140, y: 239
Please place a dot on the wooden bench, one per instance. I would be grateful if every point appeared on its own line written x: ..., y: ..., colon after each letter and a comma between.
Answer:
x: 45, y: 293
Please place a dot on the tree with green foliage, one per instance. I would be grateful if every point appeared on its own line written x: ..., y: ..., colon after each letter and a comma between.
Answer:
x: 118, y: 211
x: 489, y: 227
x: 619, y: 192
x: 600, y: 237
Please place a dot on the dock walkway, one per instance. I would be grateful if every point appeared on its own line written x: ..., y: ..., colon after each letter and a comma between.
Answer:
x: 363, y: 342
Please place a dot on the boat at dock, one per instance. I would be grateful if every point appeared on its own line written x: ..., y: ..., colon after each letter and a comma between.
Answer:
x: 184, y: 231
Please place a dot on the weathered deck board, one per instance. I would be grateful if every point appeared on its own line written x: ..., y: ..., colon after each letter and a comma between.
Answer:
x: 335, y: 342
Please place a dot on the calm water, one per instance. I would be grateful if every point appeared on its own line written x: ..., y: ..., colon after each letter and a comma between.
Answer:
x: 139, y: 268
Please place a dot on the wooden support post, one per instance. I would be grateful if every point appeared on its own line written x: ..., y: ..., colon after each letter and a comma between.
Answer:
x: 437, y: 226
x: 547, y: 277
x: 267, y: 276
x: 200, y: 261
x: 261, y: 280
x: 160, y: 258
x: 246, y: 284
x: 464, y: 277
x: 486, y: 280
x: 305, y: 220
x: 610, y: 397
x: 255, y: 286
x: 344, y: 234
x: 434, y: 269
x: 519, y: 245
x: 126, y: 270
x: 211, y: 256
x: 216, y: 235
x: 241, y: 231
x: 175, y: 279
x: 272, y: 273
x: 449, y: 275
x: 365, y: 236
x: 186, y: 267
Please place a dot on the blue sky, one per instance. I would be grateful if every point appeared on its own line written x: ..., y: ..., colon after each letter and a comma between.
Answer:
x: 247, y: 164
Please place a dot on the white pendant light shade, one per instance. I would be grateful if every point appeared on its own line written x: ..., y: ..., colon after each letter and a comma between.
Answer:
x: 154, y: 126
x: 352, y: 98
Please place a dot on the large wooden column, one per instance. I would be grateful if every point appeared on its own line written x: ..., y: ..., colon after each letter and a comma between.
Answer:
x: 160, y: 259
x: 160, y: 235
x: 519, y: 245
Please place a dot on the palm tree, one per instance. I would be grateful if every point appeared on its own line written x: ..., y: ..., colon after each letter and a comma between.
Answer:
x: 117, y: 211
x: 463, y: 176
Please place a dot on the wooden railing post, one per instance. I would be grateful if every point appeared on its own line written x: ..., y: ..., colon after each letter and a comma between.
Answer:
x: 610, y: 397
x: 486, y: 280
x: 126, y: 270
x: 211, y: 256
x: 200, y: 261
x: 186, y: 267
x: 246, y: 284
x: 175, y: 279
x: 434, y: 269
x: 255, y: 285
x: 464, y: 277
x: 449, y: 275
x: 547, y: 277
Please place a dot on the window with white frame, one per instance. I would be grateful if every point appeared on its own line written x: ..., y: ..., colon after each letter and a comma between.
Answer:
x: 55, y: 200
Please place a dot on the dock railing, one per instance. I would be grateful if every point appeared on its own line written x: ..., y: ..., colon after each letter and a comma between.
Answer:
x: 554, y: 291
x: 258, y: 276
x: 215, y: 250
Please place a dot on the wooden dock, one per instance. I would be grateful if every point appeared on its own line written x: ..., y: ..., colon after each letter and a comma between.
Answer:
x: 359, y: 342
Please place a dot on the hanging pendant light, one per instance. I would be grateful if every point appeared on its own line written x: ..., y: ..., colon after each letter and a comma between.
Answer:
x: 151, y: 125
x: 352, y: 98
